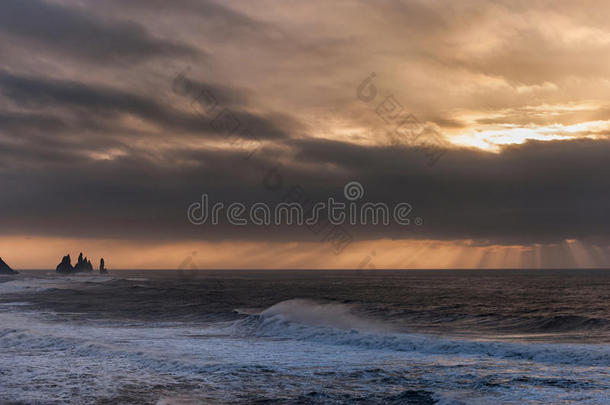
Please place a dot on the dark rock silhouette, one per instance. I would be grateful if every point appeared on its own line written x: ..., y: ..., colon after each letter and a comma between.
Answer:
x: 65, y: 266
x: 82, y: 265
x: 103, y: 269
x: 5, y: 268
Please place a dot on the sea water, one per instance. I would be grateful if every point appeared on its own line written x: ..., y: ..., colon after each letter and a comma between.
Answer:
x: 306, y: 337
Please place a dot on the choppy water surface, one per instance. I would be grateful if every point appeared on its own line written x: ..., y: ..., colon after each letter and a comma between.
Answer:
x: 271, y: 337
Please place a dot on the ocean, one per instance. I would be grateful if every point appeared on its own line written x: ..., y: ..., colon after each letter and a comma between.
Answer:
x: 306, y: 337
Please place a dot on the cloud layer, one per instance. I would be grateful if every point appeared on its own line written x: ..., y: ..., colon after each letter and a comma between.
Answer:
x: 115, y: 116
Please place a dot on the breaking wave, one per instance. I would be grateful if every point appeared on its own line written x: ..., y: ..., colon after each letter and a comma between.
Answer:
x: 336, y: 324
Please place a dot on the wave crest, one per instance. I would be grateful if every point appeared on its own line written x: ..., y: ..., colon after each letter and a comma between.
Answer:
x: 337, y: 324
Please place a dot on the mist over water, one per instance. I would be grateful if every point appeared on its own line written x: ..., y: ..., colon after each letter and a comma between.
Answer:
x: 307, y: 337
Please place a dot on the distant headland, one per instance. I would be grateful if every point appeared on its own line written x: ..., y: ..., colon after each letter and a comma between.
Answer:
x: 83, y: 265
x: 5, y: 268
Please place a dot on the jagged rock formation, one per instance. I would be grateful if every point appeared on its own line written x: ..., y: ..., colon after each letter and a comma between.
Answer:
x: 82, y: 265
x: 5, y: 268
x: 65, y: 266
x: 103, y: 269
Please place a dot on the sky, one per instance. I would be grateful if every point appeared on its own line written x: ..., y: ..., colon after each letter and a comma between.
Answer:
x: 116, y: 116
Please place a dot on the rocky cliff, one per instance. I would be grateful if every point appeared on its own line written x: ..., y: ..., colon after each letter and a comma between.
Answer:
x: 5, y: 268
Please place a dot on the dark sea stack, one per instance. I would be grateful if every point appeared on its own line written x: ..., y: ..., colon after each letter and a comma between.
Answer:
x: 103, y: 269
x: 5, y: 268
x: 65, y: 267
x: 83, y: 265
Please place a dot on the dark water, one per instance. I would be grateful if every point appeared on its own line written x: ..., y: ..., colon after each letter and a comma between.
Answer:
x: 307, y: 337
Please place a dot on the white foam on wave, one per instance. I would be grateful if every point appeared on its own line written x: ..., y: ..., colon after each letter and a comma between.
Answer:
x: 36, y: 285
x: 330, y: 314
x: 52, y: 281
x: 248, y: 311
x: 336, y: 324
x: 77, y: 362
x: 71, y: 361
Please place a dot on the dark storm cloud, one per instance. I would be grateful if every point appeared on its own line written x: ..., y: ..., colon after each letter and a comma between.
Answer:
x: 537, y: 191
x: 107, y: 103
x: 36, y: 139
x: 533, y: 193
x: 77, y: 33
x: 17, y: 122
x: 230, y: 21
